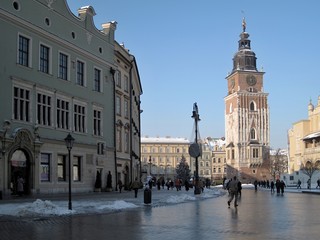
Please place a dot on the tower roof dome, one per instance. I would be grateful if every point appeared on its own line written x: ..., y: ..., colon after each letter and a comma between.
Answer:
x: 245, y: 58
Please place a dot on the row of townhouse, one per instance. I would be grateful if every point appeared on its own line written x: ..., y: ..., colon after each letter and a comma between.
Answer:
x: 160, y: 157
x: 60, y: 75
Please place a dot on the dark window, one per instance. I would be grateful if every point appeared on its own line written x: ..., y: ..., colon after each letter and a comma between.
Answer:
x: 62, y: 168
x: 62, y: 114
x: 80, y: 73
x: 63, y: 66
x: 44, y: 58
x: 23, y: 51
x: 21, y: 104
x: 45, y: 167
x: 97, y: 80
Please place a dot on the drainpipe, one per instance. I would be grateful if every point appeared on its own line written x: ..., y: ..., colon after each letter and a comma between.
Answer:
x: 112, y: 71
x: 131, y: 138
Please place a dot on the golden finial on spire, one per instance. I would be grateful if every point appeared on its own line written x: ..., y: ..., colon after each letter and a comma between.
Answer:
x: 244, y: 24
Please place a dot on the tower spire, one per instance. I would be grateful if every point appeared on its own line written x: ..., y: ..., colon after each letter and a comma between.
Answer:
x: 245, y: 58
x: 244, y: 24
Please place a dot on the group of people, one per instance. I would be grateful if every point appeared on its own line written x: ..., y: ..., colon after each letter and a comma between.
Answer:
x: 279, y: 185
x: 308, y: 184
x: 234, y: 187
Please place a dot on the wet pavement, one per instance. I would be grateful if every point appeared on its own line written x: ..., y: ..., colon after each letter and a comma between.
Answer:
x: 260, y: 215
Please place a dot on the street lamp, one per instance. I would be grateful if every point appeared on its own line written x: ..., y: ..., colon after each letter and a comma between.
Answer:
x: 194, y: 149
x: 150, y: 165
x: 69, y: 140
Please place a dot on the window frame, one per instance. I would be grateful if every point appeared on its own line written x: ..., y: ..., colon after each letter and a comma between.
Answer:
x: 118, y: 105
x: 97, y: 122
x: 45, y: 113
x: 81, y: 82
x: 45, y: 176
x: 21, y: 106
x: 126, y: 83
x: 64, y: 75
x: 79, y: 117
x: 47, y: 60
x: 63, y: 115
x: 118, y: 79
x: 26, y: 58
x: 97, y: 82
x: 64, y: 158
x: 76, y: 168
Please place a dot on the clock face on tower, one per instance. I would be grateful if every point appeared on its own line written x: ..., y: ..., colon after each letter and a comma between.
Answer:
x: 251, y: 80
x: 232, y: 83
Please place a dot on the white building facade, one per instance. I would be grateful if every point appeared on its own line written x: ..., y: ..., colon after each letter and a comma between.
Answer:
x: 56, y: 78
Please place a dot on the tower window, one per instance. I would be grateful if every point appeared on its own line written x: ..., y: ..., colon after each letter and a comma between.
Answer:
x: 252, y: 106
x: 253, y: 134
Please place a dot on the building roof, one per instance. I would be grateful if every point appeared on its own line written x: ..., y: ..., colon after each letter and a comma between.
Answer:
x: 311, y: 136
x: 164, y: 140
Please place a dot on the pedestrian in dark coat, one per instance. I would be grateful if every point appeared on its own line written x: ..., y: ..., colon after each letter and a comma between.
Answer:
x: 299, y: 184
x: 233, y: 187
x: 272, y: 186
x: 186, y: 185
x: 282, y: 186
x: 278, y: 184
x: 120, y: 185
x: 256, y: 185
x: 158, y: 184
x: 239, y: 188
x: 135, y: 186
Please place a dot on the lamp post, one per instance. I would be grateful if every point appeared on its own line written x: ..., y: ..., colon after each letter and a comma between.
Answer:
x: 194, y: 149
x: 150, y: 165
x: 69, y: 140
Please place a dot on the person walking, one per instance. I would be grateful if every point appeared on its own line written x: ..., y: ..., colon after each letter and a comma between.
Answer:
x: 177, y: 184
x: 163, y: 183
x: 135, y: 186
x: 233, y: 189
x: 272, y: 186
x: 239, y: 188
x: 278, y: 185
x: 120, y: 185
x: 299, y: 184
x: 309, y: 183
x: 282, y: 186
x: 20, y: 186
x: 109, y: 182
x: 158, y: 184
x: 186, y: 185
x: 318, y: 183
x: 255, y: 185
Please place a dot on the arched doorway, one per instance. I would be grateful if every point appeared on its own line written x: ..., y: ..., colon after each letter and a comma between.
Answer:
x: 19, y: 167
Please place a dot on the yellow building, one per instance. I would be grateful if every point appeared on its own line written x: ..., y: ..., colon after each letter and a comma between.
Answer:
x: 213, y: 160
x: 304, y: 139
x: 161, y: 155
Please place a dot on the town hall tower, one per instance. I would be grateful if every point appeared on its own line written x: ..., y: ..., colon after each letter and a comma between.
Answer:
x: 247, y: 122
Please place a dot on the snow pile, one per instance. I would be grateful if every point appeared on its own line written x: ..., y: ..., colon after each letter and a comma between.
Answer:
x: 40, y: 207
x: 60, y: 208
x: 179, y: 199
x: 117, y: 205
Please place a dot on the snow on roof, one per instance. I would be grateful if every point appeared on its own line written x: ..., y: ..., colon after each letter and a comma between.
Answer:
x: 164, y: 140
x: 311, y: 136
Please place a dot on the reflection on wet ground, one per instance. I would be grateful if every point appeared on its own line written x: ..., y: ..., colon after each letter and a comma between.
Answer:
x: 260, y: 215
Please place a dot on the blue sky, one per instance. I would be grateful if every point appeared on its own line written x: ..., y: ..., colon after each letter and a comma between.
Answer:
x: 184, y: 51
